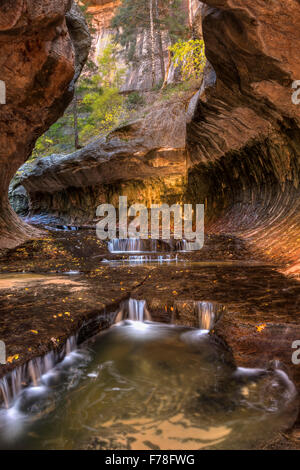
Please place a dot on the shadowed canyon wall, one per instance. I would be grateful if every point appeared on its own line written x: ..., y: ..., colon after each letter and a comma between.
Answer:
x: 43, y: 46
x: 244, y: 141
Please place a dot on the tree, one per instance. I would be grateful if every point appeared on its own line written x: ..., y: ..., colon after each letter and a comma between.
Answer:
x: 154, y: 16
x: 98, y: 108
x: 88, y: 69
x: 190, y: 57
x: 152, y: 38
x: 75, y: 114
x: 159, y: 39
x: 102, y: 101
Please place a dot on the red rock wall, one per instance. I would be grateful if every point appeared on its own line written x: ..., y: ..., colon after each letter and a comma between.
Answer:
x: 244, y: 141
x: 37, y: 64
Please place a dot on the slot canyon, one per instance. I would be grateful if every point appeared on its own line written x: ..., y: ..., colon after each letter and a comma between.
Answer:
x: 210, y: 332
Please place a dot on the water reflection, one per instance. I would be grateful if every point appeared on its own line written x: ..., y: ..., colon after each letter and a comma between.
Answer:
x: 134, y: 260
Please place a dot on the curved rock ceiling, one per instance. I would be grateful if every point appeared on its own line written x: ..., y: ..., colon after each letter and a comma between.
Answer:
x: 244, y: 141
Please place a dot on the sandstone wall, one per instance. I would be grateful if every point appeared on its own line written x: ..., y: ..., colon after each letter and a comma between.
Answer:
x: 244, y: 140
x: 41, y: 49
x: 144, y: 159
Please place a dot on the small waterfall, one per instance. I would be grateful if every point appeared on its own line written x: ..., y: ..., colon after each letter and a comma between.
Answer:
x: 67, y: 228
x: 131, y: 245
x: 203, y: 314
x: 136, y: 245
x: 207, y: 315
x: 31, y: 373
x: 5, y: 390
x: 135, y: 310
x: 185, y: 246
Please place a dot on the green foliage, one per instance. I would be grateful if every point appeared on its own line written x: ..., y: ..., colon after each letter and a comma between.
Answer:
x: 134, y: 15
x: 158, y: 85
x: 172, y: 19
x: 102, y: 103
x: 190, y: 56
x: 58, y: 139
x: 179, y: 89
x: 131, y: 16
x: 134, y: 100
x: 100, y: 107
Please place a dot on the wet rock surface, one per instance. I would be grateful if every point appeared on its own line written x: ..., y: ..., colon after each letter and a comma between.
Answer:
x: 38, y: 276
x: 62, y: 287
x: 56, y: 286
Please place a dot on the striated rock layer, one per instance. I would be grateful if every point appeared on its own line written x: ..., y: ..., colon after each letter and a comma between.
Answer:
x: 42, y: 46
x: 144, y: 159
x: 244, y: 141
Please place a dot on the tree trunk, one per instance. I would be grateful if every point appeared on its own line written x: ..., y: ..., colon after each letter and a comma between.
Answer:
x: 75, y: 114
x: 152, y: 40
x: 159, y: 41
x: 168, y: 69
x: 190, y: 14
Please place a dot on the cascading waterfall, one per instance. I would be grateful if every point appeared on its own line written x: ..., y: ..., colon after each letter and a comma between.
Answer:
x: 132, y: 309
x: 31, y: 373
x: 5, y: 390
x: 131, y: 245
x: 136, y: 245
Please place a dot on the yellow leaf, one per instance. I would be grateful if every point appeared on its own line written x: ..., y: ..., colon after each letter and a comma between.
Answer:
x: 261, y: 327
x: 10, y: 359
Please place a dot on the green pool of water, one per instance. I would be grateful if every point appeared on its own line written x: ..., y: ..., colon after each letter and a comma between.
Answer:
x: 150, y: 386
